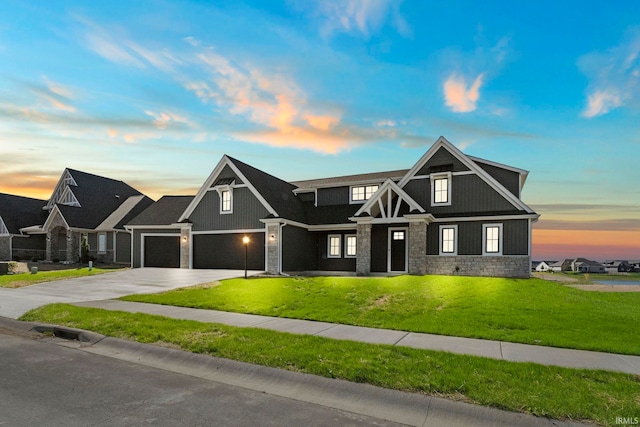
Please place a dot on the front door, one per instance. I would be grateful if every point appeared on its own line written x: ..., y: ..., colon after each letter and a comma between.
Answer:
x: 397, y: 250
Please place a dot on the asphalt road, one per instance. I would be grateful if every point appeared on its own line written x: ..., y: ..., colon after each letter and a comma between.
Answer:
x: 46, y: 384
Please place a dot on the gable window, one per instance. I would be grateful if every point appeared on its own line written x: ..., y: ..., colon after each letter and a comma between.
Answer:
x: 335, y: 246
x: 448, y: 240
x: 441, y: 189
x: 350, y: 246
x: 362, y: 193
x: 225, y: 197
x: 102, y: 243
x: 492, y: 239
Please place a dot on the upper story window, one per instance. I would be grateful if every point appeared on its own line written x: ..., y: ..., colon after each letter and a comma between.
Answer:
x: 492, y: 239
x: 224, y: 188
x: 448, y: 240
x: 362, y: 193
x: 225, y: 201
x: 441, y: 189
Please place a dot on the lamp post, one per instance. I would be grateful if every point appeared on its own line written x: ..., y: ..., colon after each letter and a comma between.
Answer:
x: 245, y: 240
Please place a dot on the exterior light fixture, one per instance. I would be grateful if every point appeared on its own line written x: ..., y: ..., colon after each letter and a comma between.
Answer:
x: 272, y: 237
x: 184, y: 239
x: 245, y: 241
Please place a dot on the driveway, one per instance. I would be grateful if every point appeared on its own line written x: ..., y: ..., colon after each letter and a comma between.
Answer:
x: 15, y: 302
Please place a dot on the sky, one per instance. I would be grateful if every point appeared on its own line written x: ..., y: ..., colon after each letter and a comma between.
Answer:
x: 155, y: 92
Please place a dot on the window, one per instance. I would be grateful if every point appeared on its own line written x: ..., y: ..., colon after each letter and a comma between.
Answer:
x: 362, y: 193
x: 448, y: 240
x: 226, y: 201
x: 397, y: 235
x: 102, y: 243
x: 351, y: 245
x: 334, y: 246
x: 492, y: 239
x: 441, y: 189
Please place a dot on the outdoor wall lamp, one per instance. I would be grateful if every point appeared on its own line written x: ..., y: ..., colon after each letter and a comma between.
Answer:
x: 184, y: 239
x: 272, y: 237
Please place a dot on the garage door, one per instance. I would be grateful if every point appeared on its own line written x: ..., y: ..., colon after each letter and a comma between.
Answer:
x: 226, y: 251
x: 162, y: 251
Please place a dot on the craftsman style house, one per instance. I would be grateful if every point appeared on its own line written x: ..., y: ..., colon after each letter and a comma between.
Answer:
x: 82, y: 206
x: 449, y: 214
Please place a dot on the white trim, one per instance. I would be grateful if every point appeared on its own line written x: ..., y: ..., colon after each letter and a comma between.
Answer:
x: 359, y: 202
x: 464, y: 159
x: 242, y: 231
x: 221, y: 190
x: 329, y: 237
x: 59, y: 189
x: 454, y: 227
x: 4, y: 231
x: 158, y: 226
x: 484, y: 239
x: 346, y: 245
x: 489, y: 218
x: 432, y: 182
x: 68, y: 194
x: 51, y: 214
x: 346, y: 183
x: 386, y: 188
x: 115, y: 246
x: 144, y: 235
x: 406, y: 249
x: 225, y: 161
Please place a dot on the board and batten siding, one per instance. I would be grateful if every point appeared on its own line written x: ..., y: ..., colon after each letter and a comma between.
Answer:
x: 299, y: 249
x: 509, y: 179
x: 440, y: 158
x: 333, y: 196
x: 469, y: 194
x: 515, y: 237
x: 123, y: 245
x: 247, y: 212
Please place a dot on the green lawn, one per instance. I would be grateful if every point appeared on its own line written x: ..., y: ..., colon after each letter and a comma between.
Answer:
x: 531, y: 311
x: 26, y: 279
x: 554, y: 392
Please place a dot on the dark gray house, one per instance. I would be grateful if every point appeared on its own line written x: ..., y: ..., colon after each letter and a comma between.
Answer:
x: 448, y: 214
x: 82, y: 206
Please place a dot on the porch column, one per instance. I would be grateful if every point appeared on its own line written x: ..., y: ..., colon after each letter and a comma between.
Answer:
x: 417, y: 247
x: 273, y: 247
x: 49, y: 245
x: 73, y: 246
x: 363, y: 250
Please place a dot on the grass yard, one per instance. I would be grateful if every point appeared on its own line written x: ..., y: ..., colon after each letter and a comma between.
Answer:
x: 554, y: 392
x: 27, y: 279
x: 531, y: 311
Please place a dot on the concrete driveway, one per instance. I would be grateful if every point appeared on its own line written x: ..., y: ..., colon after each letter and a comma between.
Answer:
x: 15, y: 302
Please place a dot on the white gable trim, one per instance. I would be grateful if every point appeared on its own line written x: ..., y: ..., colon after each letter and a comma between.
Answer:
x: 60, y: 187
x: 68, y: 194
x: 384, y: 195
x: 225, y: 161
x: 52, y: 214
x: 4, y: 231
x: 443, y: 143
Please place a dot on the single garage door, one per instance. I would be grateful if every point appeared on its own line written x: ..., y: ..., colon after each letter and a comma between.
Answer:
x: 162, y: 251
x: 226, y: 251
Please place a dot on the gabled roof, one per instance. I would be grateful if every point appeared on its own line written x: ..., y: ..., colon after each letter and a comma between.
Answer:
x: 165, y: 211
x: 19, y: 212
x: 469, y: 163
x: 383, y: 200
x: 97, y: 196
x: 275, y: 194
x: 131, y: 207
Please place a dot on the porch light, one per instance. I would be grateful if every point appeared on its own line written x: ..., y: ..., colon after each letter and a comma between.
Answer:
x: 245, y: 241
x: 184, y: 239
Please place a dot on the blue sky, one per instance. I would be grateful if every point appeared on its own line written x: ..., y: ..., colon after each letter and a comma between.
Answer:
x: 154, y: 92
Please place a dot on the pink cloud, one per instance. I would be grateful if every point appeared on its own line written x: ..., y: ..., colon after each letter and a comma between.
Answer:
x: 601, y: 102
x: 458, y: 97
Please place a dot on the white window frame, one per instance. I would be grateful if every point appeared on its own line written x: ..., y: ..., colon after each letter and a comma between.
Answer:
x: 441, y: 240
x: 102, y: 243
x: 500, y: 239
x: 221, y: 190
x: 435, y: 177
x: 347, y: 237
x: 367, y: 191
x: 338, y: 246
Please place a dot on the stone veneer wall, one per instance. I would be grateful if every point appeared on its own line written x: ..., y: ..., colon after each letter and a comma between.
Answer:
x: 417, y: 248
x: 5, y: 248
x: 517, y: 266
x: 363, y: 249
x: 273, y: 249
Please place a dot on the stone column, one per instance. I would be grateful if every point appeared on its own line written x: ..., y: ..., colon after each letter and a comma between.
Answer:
x: 273, y: 248
x: 185, y: 247
x: 73, y: 246
x: 417, y: 247
x: 363, y: 250
x: 49, y: 243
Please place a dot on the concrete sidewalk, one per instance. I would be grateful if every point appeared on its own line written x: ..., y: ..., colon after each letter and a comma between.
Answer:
x: 486, y: 348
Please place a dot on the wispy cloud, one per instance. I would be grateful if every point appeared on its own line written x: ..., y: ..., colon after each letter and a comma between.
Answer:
x: 362, y: 18
x: 614, y: 76
x: 460, y: 97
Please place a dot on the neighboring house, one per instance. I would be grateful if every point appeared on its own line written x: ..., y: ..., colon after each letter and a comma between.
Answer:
x: 448, y: 214
x: 542, y: 266
x: 583, y: 265
x: 617, y: 266
x: 17, y: 212
x: 635, y: 265
x: 83, y: 206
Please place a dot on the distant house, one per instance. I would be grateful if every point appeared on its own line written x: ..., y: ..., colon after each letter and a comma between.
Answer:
x: 583, y: 265
x: 448, y: 214
x: 618, y: 266
x: 635, y: 265
x: 542, y: 266
x: 560, y: 266
x: 82, y: 206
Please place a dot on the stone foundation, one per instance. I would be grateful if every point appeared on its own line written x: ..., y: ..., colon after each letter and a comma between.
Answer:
x: 516, y: 266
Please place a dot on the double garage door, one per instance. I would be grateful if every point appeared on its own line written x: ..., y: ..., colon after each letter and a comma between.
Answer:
x: 221, y: 251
